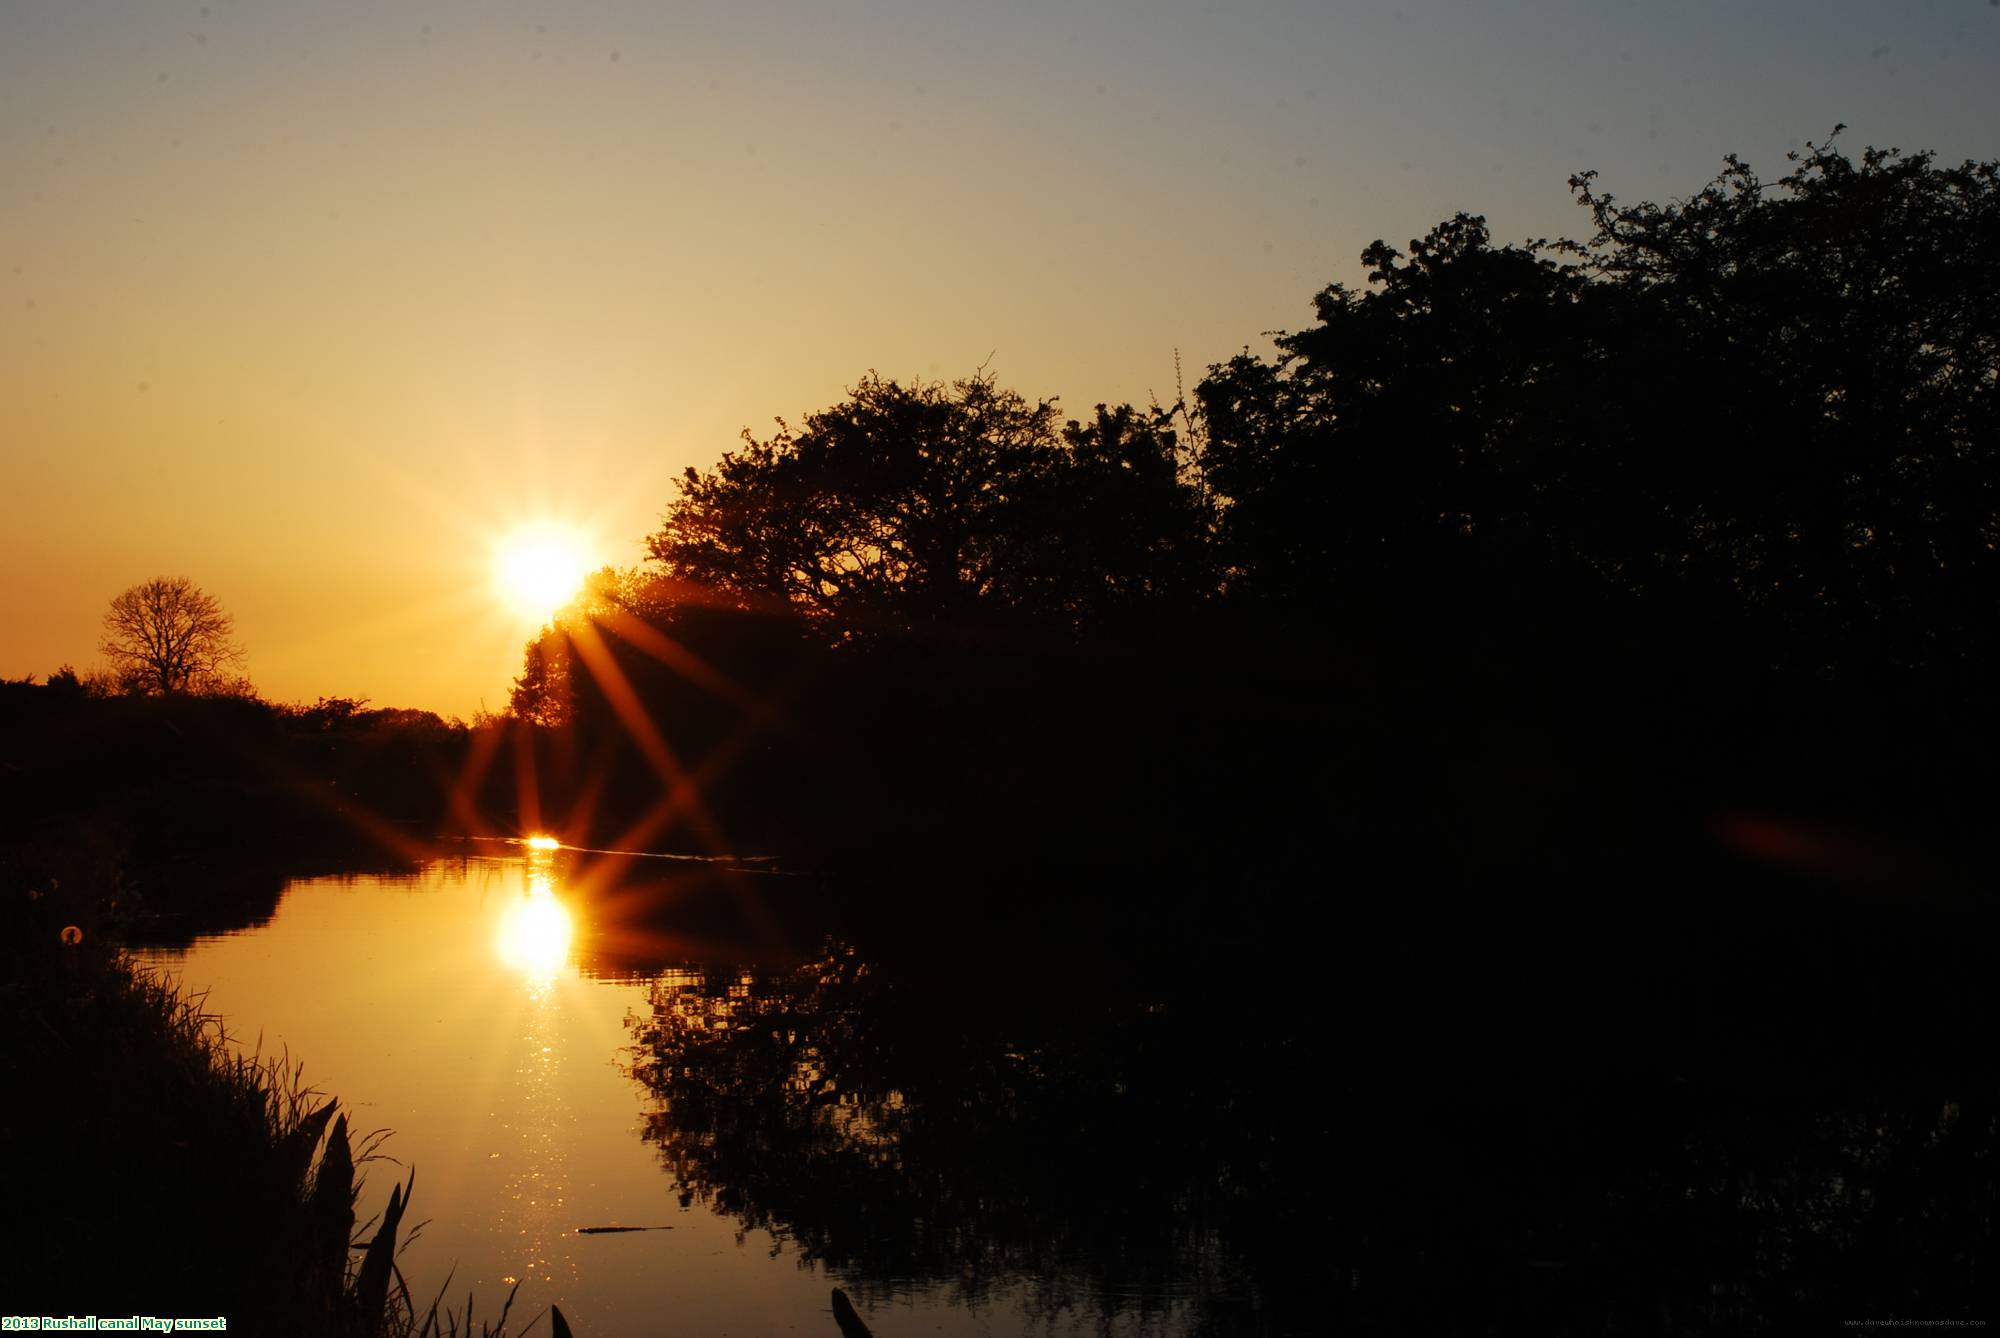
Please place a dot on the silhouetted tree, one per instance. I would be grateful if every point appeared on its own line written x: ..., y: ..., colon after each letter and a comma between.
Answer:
x: 170, y: 636
x: 1125, y: 527
x: 544, y: 693
x: 931, y: 505
x: 66, y: 683
x: 895, y: 508
x: 1779, y: 397
x: 541, y: 695
x: 1724, y: 451
x: 1817, y: 367
x: 1399, y: 424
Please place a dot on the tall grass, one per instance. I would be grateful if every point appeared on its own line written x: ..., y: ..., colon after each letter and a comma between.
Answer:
x: 157, y: 1167
x: 154, y: 1166
x: 344, y: 1277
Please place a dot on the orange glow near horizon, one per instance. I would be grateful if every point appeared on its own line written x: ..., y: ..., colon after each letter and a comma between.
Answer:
x: 543, y: 843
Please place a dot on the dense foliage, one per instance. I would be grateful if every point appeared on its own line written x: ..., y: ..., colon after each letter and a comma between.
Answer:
x: 914, y: 507
x: 1727, y: 452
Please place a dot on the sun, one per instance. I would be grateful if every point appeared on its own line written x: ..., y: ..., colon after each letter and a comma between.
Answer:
x: 539, y: 568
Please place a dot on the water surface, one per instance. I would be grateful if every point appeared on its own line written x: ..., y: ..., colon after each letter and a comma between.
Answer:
x: 485, y: 1012
x: 1019, y: 1104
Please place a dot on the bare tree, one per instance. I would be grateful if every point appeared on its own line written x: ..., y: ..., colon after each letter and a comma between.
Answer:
x: 169, y: 635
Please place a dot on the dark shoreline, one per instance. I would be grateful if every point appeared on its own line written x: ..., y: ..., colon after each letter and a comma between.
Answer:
x: 1679, y: 1047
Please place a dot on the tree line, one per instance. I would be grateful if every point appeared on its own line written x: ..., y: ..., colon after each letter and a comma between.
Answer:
x: 1726, y: 464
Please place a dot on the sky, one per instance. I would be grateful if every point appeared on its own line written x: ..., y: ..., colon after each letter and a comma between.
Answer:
x: 314, y: 303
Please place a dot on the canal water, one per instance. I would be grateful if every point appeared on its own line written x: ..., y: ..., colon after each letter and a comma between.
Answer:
x: 504, y: 1030
x: 1040, y: 1102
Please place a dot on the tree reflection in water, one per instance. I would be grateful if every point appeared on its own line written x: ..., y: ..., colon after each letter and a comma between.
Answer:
x: 1220, y: 1159
x: 902, y: 1136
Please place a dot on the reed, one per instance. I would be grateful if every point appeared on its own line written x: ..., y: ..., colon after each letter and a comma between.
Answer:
x: 175, y: 1171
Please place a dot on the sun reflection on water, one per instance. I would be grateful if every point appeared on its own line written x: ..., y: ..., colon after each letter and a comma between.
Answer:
x: 534, y: 936
x: 534, y: 940
x: 535, y: 930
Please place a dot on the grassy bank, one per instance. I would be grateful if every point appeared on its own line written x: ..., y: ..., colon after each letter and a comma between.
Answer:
x: 166, y: 1173
x: 156, y: 1167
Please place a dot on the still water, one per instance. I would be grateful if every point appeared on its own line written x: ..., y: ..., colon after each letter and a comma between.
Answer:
x: 1019, y: 1105
x: 543, y: 1075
